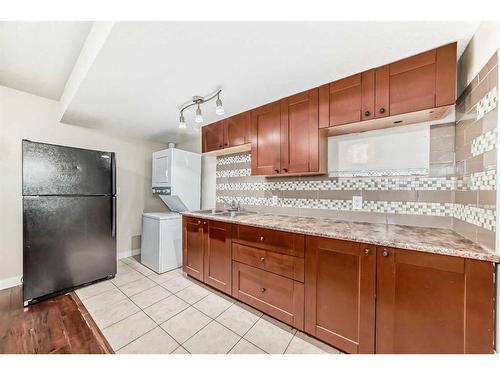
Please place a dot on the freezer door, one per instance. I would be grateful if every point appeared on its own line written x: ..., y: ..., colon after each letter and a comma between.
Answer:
x: 58, y: 170
x: 68, y: 241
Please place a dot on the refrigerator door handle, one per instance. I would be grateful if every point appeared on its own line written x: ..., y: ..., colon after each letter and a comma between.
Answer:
x: 113, y: 217
x: 113, y: 174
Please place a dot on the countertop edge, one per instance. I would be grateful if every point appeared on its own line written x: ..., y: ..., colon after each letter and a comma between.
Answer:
x: 491, y: 257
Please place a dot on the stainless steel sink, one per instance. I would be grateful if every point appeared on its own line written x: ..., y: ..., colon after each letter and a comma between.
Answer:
x: 234, y: 213
x: 224, y: 212
x: 211, y: 212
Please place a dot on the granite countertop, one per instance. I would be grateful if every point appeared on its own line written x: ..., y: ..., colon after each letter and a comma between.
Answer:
x: 430, y: 240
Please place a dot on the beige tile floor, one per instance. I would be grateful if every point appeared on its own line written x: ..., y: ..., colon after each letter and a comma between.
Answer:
x: 142, y: 312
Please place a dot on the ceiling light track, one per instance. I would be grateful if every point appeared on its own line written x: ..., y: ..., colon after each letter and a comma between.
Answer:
x: 197, y: 101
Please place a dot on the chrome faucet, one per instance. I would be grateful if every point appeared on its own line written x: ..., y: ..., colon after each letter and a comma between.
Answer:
x: 233, y: 205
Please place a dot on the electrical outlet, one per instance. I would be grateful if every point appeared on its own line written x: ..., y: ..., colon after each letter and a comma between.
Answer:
x: 357, y: 202
x: 275, y: 200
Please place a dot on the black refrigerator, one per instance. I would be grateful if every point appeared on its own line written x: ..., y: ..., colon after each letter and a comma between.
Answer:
x: 69, y: 218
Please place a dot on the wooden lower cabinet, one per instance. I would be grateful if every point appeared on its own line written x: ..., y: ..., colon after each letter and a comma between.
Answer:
x: 429, y: 303
x: 340, y: 293
x: 206, y: 250
x: 192, y: 247
x: 217, y: 252
x: 273, y: 294
x: 356, y: 297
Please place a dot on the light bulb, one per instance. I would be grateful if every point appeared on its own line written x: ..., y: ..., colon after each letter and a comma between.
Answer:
x: 219, y: 109
x: 182, y: 122
x: 198, y: 118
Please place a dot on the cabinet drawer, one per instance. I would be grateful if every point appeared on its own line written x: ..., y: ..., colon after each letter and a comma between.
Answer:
x: 275, y: 295
x: 281, y: 242
x: 281, y: 264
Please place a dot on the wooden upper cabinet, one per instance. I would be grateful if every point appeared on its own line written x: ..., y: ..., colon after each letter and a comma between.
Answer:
x: 340, y: 279
x: 341, y: 101
x: 237, y: 130
x: 192, y: 247
x: 212, y: 137
x: 348, y: 100
x: 300, y: 133
x: 424, y: 81
x: 266, y: 138
x: 217, y: 254
x: 412, y: 83
x: 429, y: 303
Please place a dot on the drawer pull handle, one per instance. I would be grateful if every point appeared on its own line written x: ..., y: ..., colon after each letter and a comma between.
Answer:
x: 263, y: 290
x: 262, y: 259
x: 366, y: 251
x: 261, y: 238
x: 385, y: 253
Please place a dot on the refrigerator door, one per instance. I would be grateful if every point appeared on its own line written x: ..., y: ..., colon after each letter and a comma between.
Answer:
x: 68, y: 241
x: 58, y: 170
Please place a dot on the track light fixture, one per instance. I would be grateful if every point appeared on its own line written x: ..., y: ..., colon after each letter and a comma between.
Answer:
x: 197, y: 101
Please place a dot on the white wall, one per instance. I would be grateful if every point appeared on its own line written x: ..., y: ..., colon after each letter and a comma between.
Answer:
x: 482, y: 46
x: 208, y: 166
x: 26, y: 116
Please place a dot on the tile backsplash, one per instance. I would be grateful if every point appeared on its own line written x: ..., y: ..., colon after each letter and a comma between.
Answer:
x: 476, y: 156
x: 458, y: 192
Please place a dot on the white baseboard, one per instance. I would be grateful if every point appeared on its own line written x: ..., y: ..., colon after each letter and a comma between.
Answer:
x: 127, y: 253
x: 10, y: 282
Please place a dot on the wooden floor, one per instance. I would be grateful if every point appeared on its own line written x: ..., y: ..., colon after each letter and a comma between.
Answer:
x: 57, y: 325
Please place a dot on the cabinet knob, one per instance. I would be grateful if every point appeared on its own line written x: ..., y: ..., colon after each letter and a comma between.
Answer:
x: 285, y: 170
x: 199, y: 222
x: 261, y: 238
x: 204, y: 222
x: 367, y: 113
x: 225, y: 144
x: 263, y: 290
x: 220, y: 146
x: 385, y: 253
x: 262, y: 259
x: 366, y: 251
x: 381, y: 110
x: 277, y: 171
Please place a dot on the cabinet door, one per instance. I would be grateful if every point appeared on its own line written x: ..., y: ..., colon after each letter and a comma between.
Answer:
x: 237, y: 130
x: 381, y: 92
x: 212, y: 137
x: 348, y: 100
x: 429, y: 303
x: 217, y: 266
x: 266, y: 139
x: 192, y: 247
x: 300, y: 133
x: 412, y: 83
x: 340, y: 293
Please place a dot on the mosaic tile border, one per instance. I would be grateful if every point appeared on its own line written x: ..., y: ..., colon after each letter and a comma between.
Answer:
x: 233, y: 173
x: 484, y: 143
x: 369, y: 184
x: 486, y: 180
x: 233, y: 159
x: 487, y: 103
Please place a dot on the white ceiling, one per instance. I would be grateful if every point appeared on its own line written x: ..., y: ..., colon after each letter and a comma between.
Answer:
x: 37, y: 57
x: 144, y: 71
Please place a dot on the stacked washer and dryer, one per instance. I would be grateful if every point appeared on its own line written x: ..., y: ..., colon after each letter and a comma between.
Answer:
x: 176, y: 178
